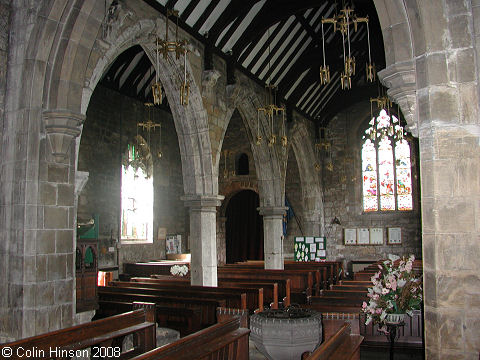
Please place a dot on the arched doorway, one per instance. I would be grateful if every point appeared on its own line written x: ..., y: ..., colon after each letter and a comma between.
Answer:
x: 244, y: 228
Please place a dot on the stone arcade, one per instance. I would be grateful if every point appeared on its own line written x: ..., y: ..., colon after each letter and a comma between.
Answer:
x: 53, y: 55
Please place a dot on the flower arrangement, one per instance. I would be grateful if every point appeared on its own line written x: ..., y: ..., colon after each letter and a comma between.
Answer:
x: 179, y: 270
x: 396, y: 290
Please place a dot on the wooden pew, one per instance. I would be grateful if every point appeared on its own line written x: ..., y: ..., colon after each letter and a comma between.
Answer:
x: 301, y: 282
x: 331, y: 270
x: 270, y: 289
x: 343, y: 345
x: 334, y: 304
x: 222, y: 341
x: 317, y: 283
x: 254, y: 296
x: 184, y: 320
x: 351, y: 287
x: 107, y: 334
x: 236, y: 301
x: 152, y: 267
x: 207, y: 306
x: 347, y: 293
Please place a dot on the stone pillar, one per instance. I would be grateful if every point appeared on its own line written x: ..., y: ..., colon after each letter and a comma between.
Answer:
x: 273, y: 235
x: 203, y: 243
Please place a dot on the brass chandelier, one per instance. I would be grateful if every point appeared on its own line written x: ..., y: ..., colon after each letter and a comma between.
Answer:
x: 164, y: 47
x: 273, y: 113
x: 343, y: 23
x: 150, y: 125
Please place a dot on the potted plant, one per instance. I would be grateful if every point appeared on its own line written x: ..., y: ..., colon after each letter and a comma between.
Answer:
x: 396, y: 291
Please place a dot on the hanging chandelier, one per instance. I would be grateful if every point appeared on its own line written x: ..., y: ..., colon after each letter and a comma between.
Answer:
x: 343, y: 23
x: 163, y: 47
x: 273, y: 112
x: 323, y: 152
x: 150, y: 125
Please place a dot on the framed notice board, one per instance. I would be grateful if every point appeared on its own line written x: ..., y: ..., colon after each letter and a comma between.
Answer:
x: 310, y: 248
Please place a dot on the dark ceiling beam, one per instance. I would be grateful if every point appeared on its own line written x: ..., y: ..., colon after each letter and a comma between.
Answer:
x: 231, y: 12
x: 264, y: 47
x: 189, y: 9
x: 272, y: 12
x: 170, y: 4
x: 122, y: 60
x: 236, y: 23
x: 292, y: 55
x: 139, y: 71
x: 208, y: 11
x: 143, y: 90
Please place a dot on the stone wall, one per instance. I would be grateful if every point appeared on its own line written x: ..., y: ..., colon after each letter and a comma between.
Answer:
x: 343, y: 194
x: 110, y: 124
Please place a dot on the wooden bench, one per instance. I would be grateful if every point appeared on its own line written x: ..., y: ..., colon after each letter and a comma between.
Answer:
x: 254, y: 296
x: 301, y: 282
x: 107, y: 334
x: 152, y: 267
x: 298, y: 286
x: 222, y: 341
x: 270, y: 289
x: 232, y: 300
x: 342, y: 345
x: 185, y: 320
x: 347, y: 293
x: 208, y: 306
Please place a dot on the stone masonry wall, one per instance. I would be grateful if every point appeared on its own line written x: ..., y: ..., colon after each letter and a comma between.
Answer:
x: 343, y: 195
x: 108, y: 115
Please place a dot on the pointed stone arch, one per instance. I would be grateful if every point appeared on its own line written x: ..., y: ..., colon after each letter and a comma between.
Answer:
x: 303, y: 148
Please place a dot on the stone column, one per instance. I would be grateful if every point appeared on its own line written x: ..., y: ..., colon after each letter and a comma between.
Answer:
x: 203, y: 243
x: 273, y: 235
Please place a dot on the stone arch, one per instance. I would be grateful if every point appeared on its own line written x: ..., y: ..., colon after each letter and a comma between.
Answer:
x: 303, y: 148
x: 270, y: 162
x: 232, y: 190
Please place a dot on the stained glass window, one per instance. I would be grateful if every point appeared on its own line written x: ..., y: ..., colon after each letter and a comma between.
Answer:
x: 137, y: 198
x: 386, y: 169
x: 404, y: 175
x: 369, y: 169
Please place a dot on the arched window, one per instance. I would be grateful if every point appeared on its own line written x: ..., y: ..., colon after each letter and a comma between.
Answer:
x: 242, y: 164
x: 137, y: 193
x: 386, y: 166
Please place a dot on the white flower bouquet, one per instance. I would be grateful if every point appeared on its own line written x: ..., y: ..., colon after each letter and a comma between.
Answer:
x: 179, y: 270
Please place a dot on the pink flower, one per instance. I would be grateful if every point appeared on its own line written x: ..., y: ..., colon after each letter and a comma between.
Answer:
x: 385, y: 291
x: 364, y: 305
x: 378, y: 311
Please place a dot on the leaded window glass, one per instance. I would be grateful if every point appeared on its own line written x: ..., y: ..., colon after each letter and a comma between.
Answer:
x: 137, y: 194
x: 386, y: 168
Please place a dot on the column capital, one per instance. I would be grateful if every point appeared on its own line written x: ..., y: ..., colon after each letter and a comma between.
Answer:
x: 202, y: 201
x: 61, y: 127
x: 401, y: 81
x: 272, y: 211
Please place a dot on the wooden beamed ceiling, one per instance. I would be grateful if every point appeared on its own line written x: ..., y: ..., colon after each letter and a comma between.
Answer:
x: 272, y: 41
